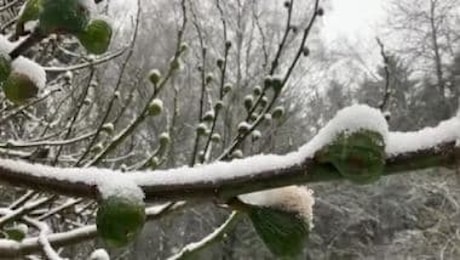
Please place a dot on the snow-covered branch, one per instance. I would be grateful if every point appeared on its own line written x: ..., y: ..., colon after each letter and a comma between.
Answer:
x: 430, y: 147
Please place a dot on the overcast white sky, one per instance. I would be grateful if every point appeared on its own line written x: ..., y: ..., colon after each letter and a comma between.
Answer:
x: 353, y: 19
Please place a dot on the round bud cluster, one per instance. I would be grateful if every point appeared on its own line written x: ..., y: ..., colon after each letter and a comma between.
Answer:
x: 209, y: 116
x: 155, y: 107
x: 227, y: 88
x: 278, y: 112
x: 219, y: 105
x: 237, y: 154
x: 165, y: 139
x: 108, y: 128
x: 248, y: 102
x: 305, y: 51
x: 201, y: 129
x: 216, y: 138
x: 244, y: 127
x: 154, y: 76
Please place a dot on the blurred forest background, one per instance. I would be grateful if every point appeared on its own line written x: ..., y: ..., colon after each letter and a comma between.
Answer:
x: 82, y: 110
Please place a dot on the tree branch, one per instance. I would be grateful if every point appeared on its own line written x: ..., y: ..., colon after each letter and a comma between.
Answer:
x: 223, y: 180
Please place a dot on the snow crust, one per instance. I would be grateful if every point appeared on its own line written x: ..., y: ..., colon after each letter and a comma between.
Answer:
x: 5, y: 45
x: 290, y: 198
x: 446, y: 131
x: 110, y: 183
x: 99, y: 254
x: 350, y: 119
x: 33, y: 70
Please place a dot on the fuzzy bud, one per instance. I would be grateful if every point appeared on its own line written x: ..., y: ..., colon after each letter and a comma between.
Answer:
x: 155, y: 107
x: 154, y: 76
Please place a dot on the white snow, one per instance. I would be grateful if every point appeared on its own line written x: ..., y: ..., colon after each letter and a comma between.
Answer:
x: 350, y: 119
x: 89, y: 5
x: 446, y: 131
x: 5, y: 45
x: 99, y: 254
x: 291, y: 198
x: 32, y: 69
x: 109, y: 183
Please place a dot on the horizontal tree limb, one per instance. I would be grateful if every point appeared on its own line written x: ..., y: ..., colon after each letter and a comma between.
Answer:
x: 443, y: 155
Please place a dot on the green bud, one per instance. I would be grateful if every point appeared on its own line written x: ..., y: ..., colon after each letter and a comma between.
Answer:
x: 19, y: 88
x: 216, y: 138
x: 155, y: 107
x: 209, y: 116
x: 119, y: 220
x: 278, y: 112
x: 219, y: 105
x: 63, y: 16
x: 201, y: 129
x: 96, y: 37
x: 277, y: 84
x: 248, y: 102
x: 155, y: 76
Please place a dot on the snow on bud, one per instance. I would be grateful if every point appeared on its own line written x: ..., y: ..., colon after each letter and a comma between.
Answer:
x: 278, y: 112
x: 227, y: 88
x: 175, y: 64
x: 256, y: 135
x: 108, y: 128
x: 268, y: 80
x: 248, y: 102
x: 201, y: 129
x: 282, y: 217
x: 305, y: 51
x: 165, y: 139
x: 257, y: 90
x: 209, y: 116
x: 219, y: 105
x: 183, y: 47
x: 264, y: 101
x: 253, y: 116
x: 68, y: 76
x: 237, y: 154
x: 87, y: 101
x: 93, y: 84
x: 387, y: 115
x: 277, y: 83
x: 154, y: 76
x: 155, y: 107
x: 201, y: 156
x: 216, y: 138
x: 31, y: 69
x: 97, y: 148
x: 209, y: 78
x: 116, y: 95
x: 244, y: 127
x: 154, y: 162
x: 220, y: 63
x: 99, y: 254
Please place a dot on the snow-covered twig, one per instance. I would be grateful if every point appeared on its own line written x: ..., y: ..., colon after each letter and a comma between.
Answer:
x: 427, y: 148
x: 83, y: 65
